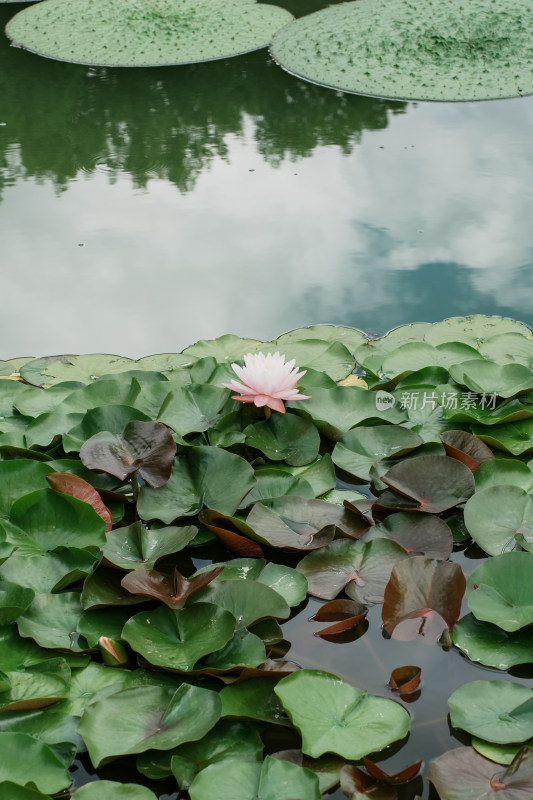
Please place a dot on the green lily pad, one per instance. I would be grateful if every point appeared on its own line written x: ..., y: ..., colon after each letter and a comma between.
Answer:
x: 359, y: 449
x: 254, y: 699
x: 490, y: 645
x: 113, y: 791
x: 320, y: 474
x: 85, y: 369
x: 18, y: 478
x: 352, y: 338
x: 488, y: 377
x: 287, y: 582
x: 333, y: 358
x: 334, y: 411
x: 172, y: 32
x: 512, y: 437
x: 390, y: 50
x: 17, y: 653
x: 194, y: 408
x: 335, y: 717
x: 225, y: 349
x: 507, y: 347
x: 32, y: 402
x: 500, y: 753
x: 103, y: 588
x: 35, y: 687
x: 498, y: 711
x: 40, y: 767
x: 245, y: 649
x: 497, y: 515
x: 45, y: 519
x: 499, y: 591
x: 228, y: 739
x: 48, y: 725
x: 247, y: 601
x: 137, y: 547
x: 272, y: 483
x: 362, y: 570
x: 239, y: 780
x: 474, y: 330
x: 178, y: 639
x: 416, y: 356
x: 90, y: 684
x: 503, y: 471
x: 50, y: 571
x: 137, y: 719
x: 108, y: 622
x: 52, y: 621
x: 205, y: 476
x: 285, y: 437
x: 14, y: 600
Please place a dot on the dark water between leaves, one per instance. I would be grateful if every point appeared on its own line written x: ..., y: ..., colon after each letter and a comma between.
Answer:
x: 141, y: 210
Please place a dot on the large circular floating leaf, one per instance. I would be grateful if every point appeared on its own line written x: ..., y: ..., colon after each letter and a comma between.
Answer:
x: 497, y: 711
x: 133, y: 33
x: 427, y: 51
x: 500, y: 591
x: 335, y: 717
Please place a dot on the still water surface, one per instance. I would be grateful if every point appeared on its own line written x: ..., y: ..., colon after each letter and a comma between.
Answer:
x: 141, y: 210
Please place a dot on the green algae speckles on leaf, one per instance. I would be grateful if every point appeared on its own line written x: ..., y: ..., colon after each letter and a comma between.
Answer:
x: 428, y: 50
x: 134, y: 33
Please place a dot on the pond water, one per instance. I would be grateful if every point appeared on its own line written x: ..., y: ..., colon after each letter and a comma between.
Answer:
x: 141, y: 210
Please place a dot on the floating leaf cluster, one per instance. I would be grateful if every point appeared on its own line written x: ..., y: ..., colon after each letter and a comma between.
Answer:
x: 155, y: 534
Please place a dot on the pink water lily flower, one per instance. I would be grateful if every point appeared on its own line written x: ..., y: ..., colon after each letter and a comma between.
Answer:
x: 266, y: 381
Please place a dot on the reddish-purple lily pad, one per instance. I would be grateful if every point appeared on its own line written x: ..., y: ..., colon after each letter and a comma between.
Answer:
x: 345, y: 614
x: 172, y: 590
x: 428, y: 483
x: 362, y: 570
x: 466, y: 448
x: 144, y: 447
x: 462, y: 773
x: 423, y: 598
